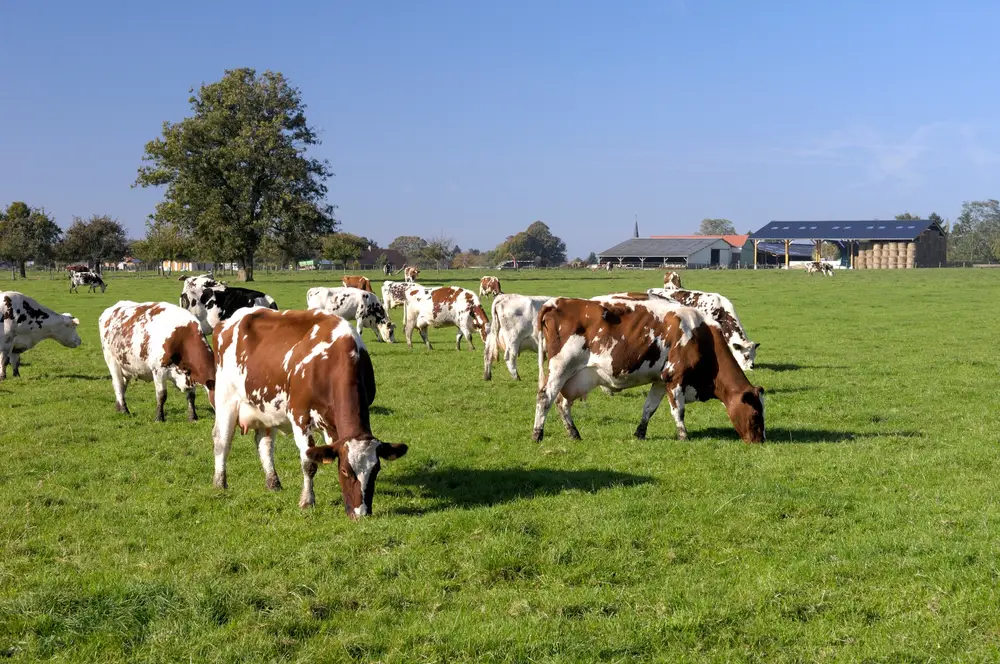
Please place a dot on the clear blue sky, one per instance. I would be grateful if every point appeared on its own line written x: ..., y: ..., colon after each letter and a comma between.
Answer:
x: 472, y: 119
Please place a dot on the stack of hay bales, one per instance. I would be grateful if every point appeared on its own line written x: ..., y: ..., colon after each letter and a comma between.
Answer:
x: 863, y: 260
x: 892, y: 251
x: 911, y: 255
x: 878, y: 257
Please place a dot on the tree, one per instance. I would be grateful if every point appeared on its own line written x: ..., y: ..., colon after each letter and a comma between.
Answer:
x: 163, y: 241
x: 96, y: 240
x: 410, y: 246
x: 438, y: 249
x: 236, y: 172
x: 716, y: 227
x: 592, y: 259
x: 343, y: 247
x: 906, y: 216
x: 536, y: 241
x: 26, y: 234
x: 975, y: 235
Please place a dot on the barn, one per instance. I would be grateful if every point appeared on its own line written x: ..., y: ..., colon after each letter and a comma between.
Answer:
x: 680, y: 251
x: 872, y: 245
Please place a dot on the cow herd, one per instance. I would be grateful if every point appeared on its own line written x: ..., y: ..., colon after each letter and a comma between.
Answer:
x: 308, y: 372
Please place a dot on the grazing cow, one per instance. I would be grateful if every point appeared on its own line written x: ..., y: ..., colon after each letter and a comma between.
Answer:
x: 357, y: 282
x: 160, y: 342
x: 514, y: 327
x: 623, y: 344
x: 721, y: 310
x: 353, y: 304
x: 671, y: 280
x: 24, y: 324
x: 211, y: 301
x: 608, y: 268
x: 410, y: 274
x: 489, y: 286
x: 446, y: 305
x: 301, y: 372
x: 387, y: 269
x: 819, y: 266
x: 91, y: 279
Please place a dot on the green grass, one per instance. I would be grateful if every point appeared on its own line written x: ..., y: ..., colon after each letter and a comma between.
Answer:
x: 866, y: 529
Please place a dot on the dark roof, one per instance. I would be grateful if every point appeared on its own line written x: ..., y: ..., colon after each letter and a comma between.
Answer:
x: 778, y: 248
x: 891, y: 229
x: 371, y: 257
x: 646, y: 247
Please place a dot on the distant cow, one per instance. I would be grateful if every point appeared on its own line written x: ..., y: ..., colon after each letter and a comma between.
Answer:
x: 301, y: 372
x: 625, y: 344
x: 362, y: 283
x: 721, y: 310
x: 489, y: 286
x: 353, y: 304
x: 24, y: 323
x: 819, y: 266
x: 394, y: 294
x: 90, y: 279
x: 211, y: 301
x: 387, y: 269
x: 410, y: 274
x: 438, y: 307
x: 159, y: 342
x: 671, y: 280
x: 608, y: 266
x: 513, y: 328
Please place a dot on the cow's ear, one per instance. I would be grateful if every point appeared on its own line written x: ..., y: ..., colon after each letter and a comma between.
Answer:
x: 76, y: 321
x: 172, y: 359
x: 323, y: 453
x: 391, y: 451
x: 756, y: 344
x: 759, y: 391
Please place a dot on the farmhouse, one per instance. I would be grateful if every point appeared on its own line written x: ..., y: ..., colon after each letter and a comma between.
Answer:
x: 873, y: 245
x: 676, y: 251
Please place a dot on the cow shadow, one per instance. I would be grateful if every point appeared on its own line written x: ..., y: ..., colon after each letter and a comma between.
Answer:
x: 785, y: 436
x: 467, y: 488
x: 790, y: 366
x: 80, y: 377
x: 380, y: 410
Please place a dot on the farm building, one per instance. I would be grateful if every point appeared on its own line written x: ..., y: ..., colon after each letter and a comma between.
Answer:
x: 874, y: 245
x: 676, y: 251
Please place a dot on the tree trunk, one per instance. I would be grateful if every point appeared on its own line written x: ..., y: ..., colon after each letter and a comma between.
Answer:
x: 246, y: 268
x: 20, y: 265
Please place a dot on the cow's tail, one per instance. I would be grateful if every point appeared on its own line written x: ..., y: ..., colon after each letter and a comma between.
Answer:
x: 271, y: 304
x: 539, y: 332
x: 493, y: 338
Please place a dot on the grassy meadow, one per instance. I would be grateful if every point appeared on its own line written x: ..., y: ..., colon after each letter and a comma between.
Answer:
x: 865, y: 529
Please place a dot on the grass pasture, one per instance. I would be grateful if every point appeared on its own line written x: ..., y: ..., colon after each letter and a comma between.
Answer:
x: 865, y: 529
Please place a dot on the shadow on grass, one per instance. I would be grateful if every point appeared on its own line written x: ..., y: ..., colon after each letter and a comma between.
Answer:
x: 81, y: 377
x: 789, y: 366
x: 780, y: 435
x: 380, y: 410
x: 473, y: 487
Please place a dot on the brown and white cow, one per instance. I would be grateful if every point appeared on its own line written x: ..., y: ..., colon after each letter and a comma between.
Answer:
x: 671, y: 280
x: 301, y: 372
x: 24, y: 323
x: 819, y: 266
x: 489, y: 286
x: 363, y: 283
x: 410, y: 274
x: 159, y: 342
x: 513, y: 328
x: 443, y: 306
x: 628, y: 343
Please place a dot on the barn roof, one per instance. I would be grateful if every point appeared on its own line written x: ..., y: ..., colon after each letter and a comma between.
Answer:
x: 736, y: 240
x: 892, y: 229
x: 650, y: 247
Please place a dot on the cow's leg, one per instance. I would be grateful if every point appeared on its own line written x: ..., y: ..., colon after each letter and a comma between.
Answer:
x: 676, y: 399
x: 546, y: 395
x: 222, y: 437
x: 265, y: 448
x: 357, y: 326
x: 510, y: 357
x: 466, y: 331
x: 423, y: 335
x: 15, y: 363
x: 119, y: 383
x: 458, y: 340
x: 192, y: 413
x: 302, y: 440
x: 564, y: 405
x: 653, y: 399
x: 408, y: 331
x: 160, y: 384
x: 4, y: 361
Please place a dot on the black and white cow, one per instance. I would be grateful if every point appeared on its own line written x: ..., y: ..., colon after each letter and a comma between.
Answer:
x: 91, y: 279
x: 211, y: 301
x: 24, y: 323
x: 353, y: 304
x: 819, y: 266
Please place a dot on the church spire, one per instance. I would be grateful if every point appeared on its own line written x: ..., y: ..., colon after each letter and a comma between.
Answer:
x: 636, y: 226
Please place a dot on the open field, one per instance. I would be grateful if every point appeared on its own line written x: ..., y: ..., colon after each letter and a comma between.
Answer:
x: 866, y: 529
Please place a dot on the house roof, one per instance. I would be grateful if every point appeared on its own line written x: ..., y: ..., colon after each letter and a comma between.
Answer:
x: 371, y: 257
x: 735, y: 240
x: 651, y: 247
x: 844, y: 230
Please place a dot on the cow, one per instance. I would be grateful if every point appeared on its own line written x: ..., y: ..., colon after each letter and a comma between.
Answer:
x: 721, y: 310
x: 387, y: 269
x: 410, y: 274
x: 489, y: 286
x: 91, y: 279
x: 212, y: 301
x: 362, y: 283
x: 819, y: 266
x: 353, y: 304
x: 159, y: 342
x: 394, y: 294
x: 671, y: 280
x: 513, y: 327
x: 301, y: 372
x: 608, y: 267
x: 445, y: 305
x: 24, y: 323
x: 627, y: 343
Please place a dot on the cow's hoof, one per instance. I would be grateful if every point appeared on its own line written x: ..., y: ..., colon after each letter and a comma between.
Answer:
x: 682, y: 435
x: 640, y: 433
x: 192, y: 417
x: 219, y: 482
x: 574, y: 434
x: 121, y: 408
x: 487, y: 376
x: 161, y: 418
x: 273, y: 483
x: 306, y: 504
x: 537, y: 435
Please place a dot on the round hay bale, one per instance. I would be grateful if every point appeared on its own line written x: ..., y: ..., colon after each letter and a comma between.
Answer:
x: 911, y: 247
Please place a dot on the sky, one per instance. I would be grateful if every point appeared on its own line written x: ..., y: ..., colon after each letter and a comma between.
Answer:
x: 470, y: 120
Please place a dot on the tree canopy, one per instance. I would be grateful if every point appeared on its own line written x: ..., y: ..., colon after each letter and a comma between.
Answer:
x: 411, y: 246
x: 97, y: 240
x: 343, y: 247
x: 906, y: 216
x: 236, y: 171
x: 537, y: 243
x: 716, y: 227
x: 975, y: 235
x: 27, y: 234
x: 164, y: 241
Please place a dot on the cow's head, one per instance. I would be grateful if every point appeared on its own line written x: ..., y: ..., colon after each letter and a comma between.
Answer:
x: 64, y: 331
x: 359, y: 462
x: 104, y: 286
x: 386, y: 330
x: 746, y: 411
x: 745, y: 353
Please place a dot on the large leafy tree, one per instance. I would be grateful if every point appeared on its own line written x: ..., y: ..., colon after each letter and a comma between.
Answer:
x: 26, y: 234
x: 236, y: 170
x: 906, y: 216
x: 975, y: 235
x: 716, y: 227
x: 536, y: 242
x: 164, y: 241
x: 411, y: 246
x: 343, y: 247
x: 95, y: 240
